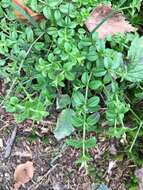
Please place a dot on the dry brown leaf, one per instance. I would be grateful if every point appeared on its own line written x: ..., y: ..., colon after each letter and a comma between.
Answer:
x: 20, y: 3
x: 23, y: 174
x: 115, y: 24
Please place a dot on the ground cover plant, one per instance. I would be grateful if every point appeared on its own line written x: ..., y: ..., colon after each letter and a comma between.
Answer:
x: 54, y: 64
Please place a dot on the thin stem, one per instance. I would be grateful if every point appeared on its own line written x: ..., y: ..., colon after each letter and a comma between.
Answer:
x: 124, y: 8
x: 85, y: 116
x: 140, y: 126
x: 139, y: 120
x: 136, y: 116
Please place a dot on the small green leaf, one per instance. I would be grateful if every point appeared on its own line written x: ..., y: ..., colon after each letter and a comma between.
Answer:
x: 85, y: 77
x: 93, y: 101
x: 47, y: 12
x: 53, y: 3
x: 93, y: 119
x: 77, y: 121
x: 57, y: 15
x: 29, y: 34
x: 64, y: 125
x: 95, y: 84
x: 63, y: 101
x: 78, y: 98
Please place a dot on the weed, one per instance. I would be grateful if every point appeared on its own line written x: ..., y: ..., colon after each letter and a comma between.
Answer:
x: 57, y: 60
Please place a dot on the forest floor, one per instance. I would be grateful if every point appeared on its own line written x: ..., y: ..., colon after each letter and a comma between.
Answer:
x: 55, y: 163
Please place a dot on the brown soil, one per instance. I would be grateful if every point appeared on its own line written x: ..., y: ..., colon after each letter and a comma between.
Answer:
x: 54, y: 162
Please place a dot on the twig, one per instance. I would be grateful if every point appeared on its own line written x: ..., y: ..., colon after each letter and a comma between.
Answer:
x: 10, y: 143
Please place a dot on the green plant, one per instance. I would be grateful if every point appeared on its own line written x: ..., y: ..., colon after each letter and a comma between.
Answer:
x: 59, y: 61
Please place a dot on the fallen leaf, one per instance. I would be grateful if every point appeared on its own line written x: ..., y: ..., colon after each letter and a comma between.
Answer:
x: 113, y: 25
x: 64, y: 125
x: 139, y: 175
x: 20, y: 3
x: 23, y: 174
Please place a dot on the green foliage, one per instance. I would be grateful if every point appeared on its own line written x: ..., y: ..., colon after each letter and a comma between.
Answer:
x: 57, y: 60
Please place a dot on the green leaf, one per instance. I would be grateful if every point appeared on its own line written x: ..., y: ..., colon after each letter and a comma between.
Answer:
x: 63, y: 101
x: 77, y: 121
x: 78, y: 98
x: 93, y: 102
x: 64, y: 125
x: 134, y: 69
x: 53, y: 3
x: 2, y: 62
x: 67, y: 8
x: 89, y: 143
x: 95, y: 84
x: 92, y: 56
x: 57, y: 15
x: 47, y: 12
x: 93, y: 119
x: 117, y: 132
x: 34, y: 5
x: 29, y: 34
x: 85, y: 77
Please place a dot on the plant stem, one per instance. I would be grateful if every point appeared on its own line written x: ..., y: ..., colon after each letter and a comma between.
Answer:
x: 85, y: 116
x: 140, y: 126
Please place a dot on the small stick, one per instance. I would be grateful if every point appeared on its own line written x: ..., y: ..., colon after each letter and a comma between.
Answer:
x: 10, y: 143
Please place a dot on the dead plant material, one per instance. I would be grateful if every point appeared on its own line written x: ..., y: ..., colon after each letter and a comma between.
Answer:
x: 115, y: 23
x: 35, y: 16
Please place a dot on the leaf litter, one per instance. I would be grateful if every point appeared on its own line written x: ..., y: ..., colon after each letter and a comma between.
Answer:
x: 21, y: 4
x: 23, y: 174
x: 117, y: 23
x: 66, y: 170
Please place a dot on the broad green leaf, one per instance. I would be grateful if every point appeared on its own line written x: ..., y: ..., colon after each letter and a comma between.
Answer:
x: 64, y: 125
x: 134, y: 69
